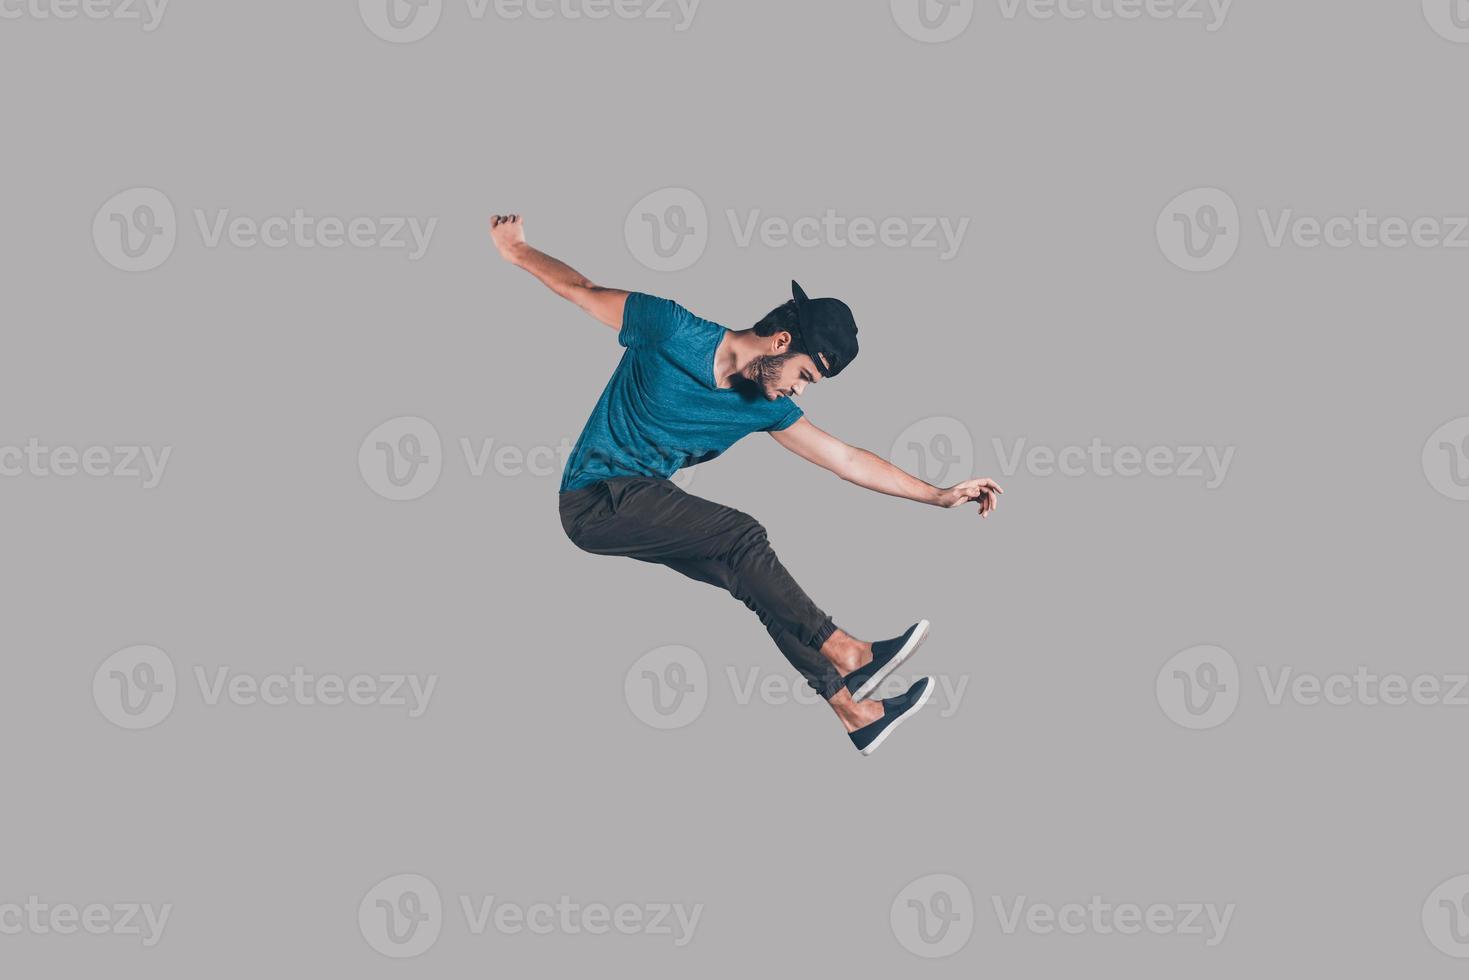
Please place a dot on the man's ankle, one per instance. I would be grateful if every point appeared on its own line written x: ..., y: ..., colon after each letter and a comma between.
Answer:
x: 855, y: 714
x: 846, y: 653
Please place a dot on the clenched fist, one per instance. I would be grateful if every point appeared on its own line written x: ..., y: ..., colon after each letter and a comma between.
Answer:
x: 508, y: 232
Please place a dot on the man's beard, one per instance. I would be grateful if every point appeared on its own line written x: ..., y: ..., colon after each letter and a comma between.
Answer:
x: 765, y: 372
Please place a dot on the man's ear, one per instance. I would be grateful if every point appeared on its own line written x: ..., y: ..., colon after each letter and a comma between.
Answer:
x: 781, y: 342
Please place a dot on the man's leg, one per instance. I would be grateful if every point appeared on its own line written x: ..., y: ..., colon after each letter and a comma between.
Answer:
x: 823, y: 667
x: 653, y: 520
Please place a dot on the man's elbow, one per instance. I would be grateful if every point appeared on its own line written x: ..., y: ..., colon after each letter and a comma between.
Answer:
x: 847, y: 464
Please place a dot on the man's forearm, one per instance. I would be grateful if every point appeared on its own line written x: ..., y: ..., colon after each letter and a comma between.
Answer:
x: 561, y: 278
x: 872, y: 472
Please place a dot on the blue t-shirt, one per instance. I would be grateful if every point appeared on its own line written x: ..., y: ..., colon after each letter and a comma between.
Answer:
x: 662, y: 410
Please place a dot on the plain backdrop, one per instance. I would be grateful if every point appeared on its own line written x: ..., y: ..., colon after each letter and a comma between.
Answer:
x: 1056, y: 777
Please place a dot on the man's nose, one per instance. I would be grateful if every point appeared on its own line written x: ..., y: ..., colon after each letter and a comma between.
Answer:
x: 798, y: 387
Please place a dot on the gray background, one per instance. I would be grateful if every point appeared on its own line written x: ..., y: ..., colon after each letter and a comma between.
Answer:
x: 529, y: 777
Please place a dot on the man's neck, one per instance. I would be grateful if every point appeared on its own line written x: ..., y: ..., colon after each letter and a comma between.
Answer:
x: 736, y: 352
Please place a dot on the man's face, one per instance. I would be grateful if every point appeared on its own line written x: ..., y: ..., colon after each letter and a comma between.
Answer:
x: 783, y: 372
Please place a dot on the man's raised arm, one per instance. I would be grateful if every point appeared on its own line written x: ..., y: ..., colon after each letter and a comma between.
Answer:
x: 508, y: 233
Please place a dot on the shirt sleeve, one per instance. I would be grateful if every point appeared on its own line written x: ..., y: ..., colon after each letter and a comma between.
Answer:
x: 648, y: 321
x: 789, y: 419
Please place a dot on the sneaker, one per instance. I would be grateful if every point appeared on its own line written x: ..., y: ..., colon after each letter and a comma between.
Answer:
x: 894, y: 711
x: 887, y: 656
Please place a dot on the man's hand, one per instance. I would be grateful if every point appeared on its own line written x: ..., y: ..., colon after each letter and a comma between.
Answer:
x: 986, y: 491
x: 508, y: 232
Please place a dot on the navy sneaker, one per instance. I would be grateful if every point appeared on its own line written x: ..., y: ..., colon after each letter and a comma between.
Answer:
x: 894, y: 711
x: 887, y: 656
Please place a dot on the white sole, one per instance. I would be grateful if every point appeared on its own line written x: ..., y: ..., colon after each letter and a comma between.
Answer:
x: 875, y: 681
x: 922, y: 700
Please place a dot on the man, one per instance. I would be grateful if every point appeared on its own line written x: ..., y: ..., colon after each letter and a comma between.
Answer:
x: 684, y: 392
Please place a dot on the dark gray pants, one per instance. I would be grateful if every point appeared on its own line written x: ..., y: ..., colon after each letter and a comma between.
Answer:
x: 654, y: 521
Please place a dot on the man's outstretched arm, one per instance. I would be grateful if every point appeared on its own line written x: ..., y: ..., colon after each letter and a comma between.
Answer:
x: 875, y: 473
x: 508, y: 233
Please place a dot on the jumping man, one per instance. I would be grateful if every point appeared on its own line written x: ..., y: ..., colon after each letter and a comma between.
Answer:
x: 685, y: 391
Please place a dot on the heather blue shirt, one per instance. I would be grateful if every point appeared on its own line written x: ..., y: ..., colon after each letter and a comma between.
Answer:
x: 662, y: 410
